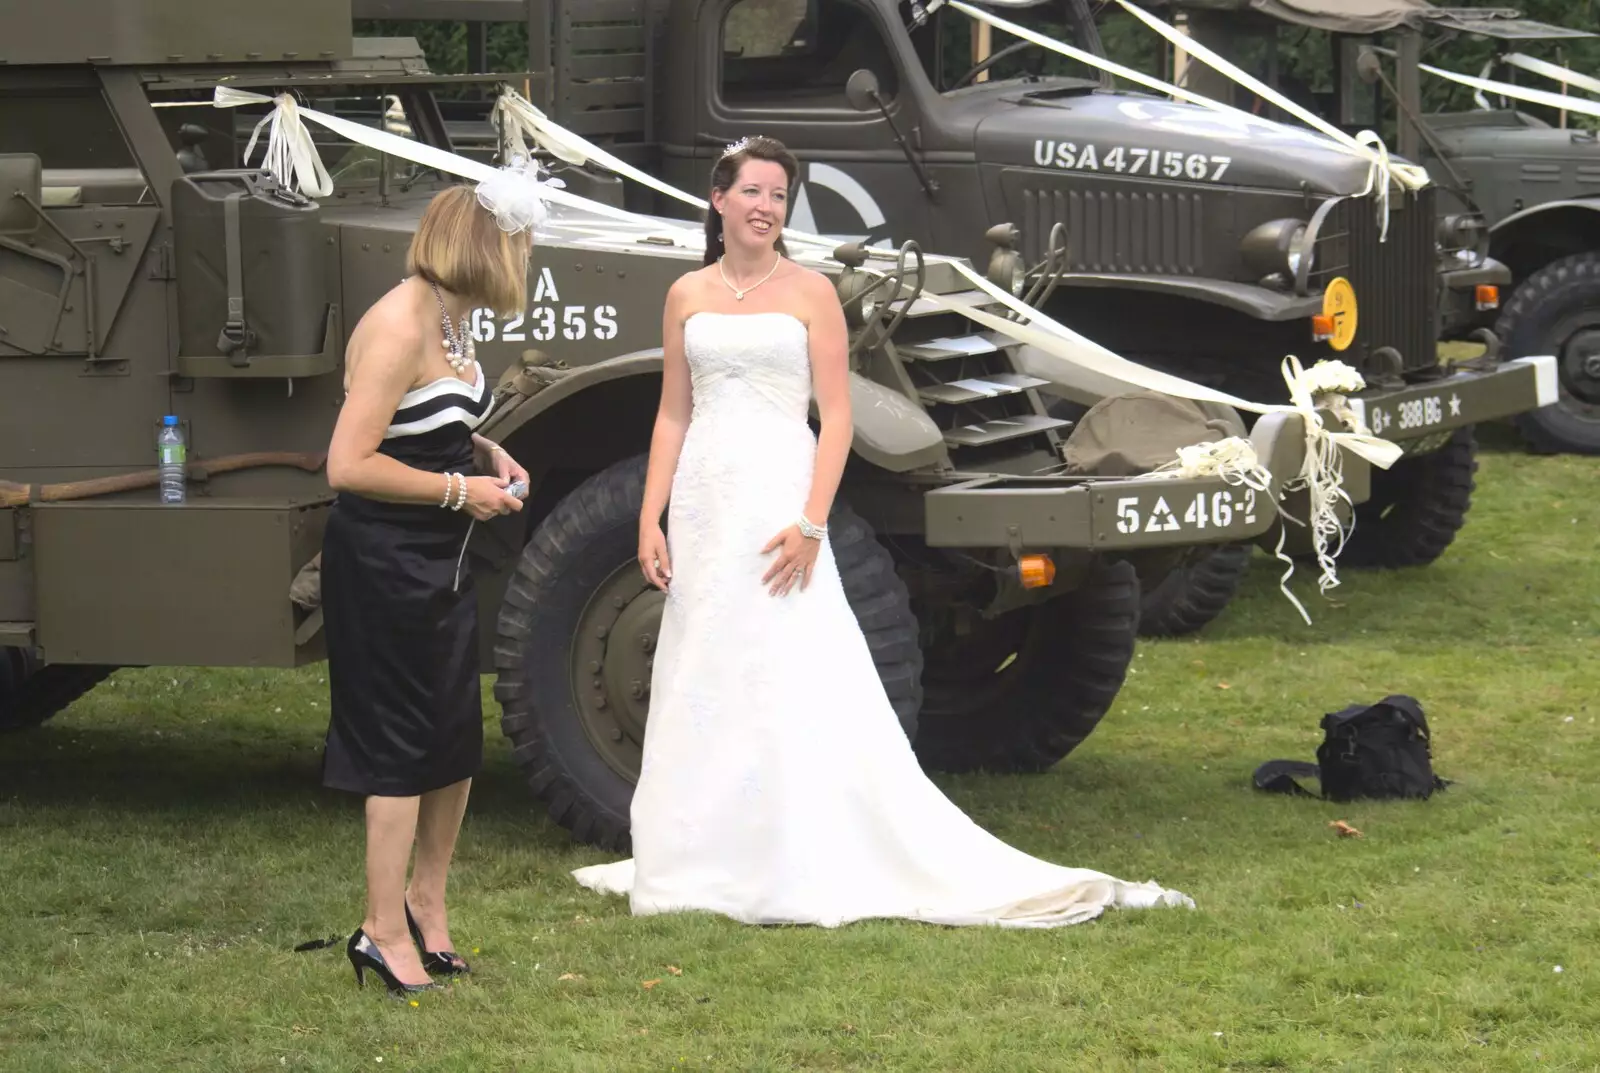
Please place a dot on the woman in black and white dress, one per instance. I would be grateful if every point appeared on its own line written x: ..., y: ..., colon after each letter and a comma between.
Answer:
x: 399, y: 609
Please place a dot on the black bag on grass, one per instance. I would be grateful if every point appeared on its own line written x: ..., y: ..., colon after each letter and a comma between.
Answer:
x: 1368, y: 750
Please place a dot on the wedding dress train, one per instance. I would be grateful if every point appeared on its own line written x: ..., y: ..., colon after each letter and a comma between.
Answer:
x: 777, y: 785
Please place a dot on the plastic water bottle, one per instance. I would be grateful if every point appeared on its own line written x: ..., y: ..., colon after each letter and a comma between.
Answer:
x: 173, y: 454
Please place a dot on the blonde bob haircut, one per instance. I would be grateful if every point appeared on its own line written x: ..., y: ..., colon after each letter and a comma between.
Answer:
x: 459, y: 246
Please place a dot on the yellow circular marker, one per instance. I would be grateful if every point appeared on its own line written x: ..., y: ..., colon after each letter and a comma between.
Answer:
x: 1339, y: 305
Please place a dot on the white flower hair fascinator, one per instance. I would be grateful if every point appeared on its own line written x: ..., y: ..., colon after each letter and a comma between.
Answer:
x: 517, y: 196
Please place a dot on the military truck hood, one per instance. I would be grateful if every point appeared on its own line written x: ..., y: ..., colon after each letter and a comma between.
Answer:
x: 1514, y: 141
x: 1146, y: 137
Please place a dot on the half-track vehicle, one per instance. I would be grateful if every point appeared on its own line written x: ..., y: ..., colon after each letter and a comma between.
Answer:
x: 1499, y: 167
x: 1195, y: 242
x: 148, y: 268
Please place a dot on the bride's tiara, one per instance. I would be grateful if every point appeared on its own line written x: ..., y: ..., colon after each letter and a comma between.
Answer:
x: 738, y: 146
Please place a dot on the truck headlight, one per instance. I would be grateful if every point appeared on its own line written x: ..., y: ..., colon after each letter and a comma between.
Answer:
x: 1460, y: 231
x: 1275, y: 249
x: 1006, y: 269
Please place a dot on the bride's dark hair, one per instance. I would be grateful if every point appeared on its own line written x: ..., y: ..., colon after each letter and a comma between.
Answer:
x: 726, y: 169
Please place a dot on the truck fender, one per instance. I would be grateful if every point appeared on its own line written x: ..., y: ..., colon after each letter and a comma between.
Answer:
x: 1528, y: 240
x: 1249, y: 299
x: 889, y: 430
x: 526, y: 399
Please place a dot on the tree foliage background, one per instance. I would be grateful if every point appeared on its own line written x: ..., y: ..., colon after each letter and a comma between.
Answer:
x: 1304, y: 56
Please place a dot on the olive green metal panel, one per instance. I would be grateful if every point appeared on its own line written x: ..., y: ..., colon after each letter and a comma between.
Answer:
x: 1515, y: 387
x: 168, y: 31
x: 137, y: 582
x: 1036, y: 514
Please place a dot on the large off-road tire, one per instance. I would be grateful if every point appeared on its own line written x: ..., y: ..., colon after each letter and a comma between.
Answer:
x: 1025, y: 689
x: 576, y: 635
x: 1191, y: 595
x: 31, y: 692
x: 1417, y: 507
x: 1557, y: 311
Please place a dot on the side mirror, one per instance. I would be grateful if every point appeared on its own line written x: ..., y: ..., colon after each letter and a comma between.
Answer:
x: 20, y: 174
x: 862, y: 90
x: 1368, y: 66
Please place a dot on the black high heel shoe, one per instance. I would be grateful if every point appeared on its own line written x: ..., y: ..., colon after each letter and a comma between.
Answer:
x: 364, y: 954
x: 442, y: 963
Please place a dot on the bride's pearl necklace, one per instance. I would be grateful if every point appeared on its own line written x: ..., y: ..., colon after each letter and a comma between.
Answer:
x: 740, y: 292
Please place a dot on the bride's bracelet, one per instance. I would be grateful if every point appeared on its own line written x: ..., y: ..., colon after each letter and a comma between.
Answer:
x: 812, y: 532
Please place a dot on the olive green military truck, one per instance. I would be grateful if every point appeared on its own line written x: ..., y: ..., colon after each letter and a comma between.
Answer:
x: 1195, y: 242
x: 148, y: 268
x: 1531, y: 184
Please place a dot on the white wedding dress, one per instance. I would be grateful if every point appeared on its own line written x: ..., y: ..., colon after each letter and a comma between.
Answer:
x: 777, y: 786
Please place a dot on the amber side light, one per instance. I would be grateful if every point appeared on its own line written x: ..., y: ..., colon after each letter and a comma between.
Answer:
x: 1036, y: 571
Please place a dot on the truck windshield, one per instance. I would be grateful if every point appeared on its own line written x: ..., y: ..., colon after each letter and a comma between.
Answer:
x: 958, y: 51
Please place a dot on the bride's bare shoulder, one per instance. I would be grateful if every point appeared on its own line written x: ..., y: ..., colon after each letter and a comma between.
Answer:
x: 689, y: 289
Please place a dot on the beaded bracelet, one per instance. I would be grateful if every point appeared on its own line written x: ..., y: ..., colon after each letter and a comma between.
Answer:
x: 449, y: 489
x: 813, y: 532
x: 461, y: 496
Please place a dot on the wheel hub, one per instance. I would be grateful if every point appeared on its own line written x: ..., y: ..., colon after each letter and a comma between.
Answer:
x: 967, y: 669
x: 1580, y: 365
x: 613, y: 655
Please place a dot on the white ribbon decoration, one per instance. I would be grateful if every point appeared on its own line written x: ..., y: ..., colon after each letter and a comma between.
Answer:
x: 1109, y: 66
x: 517, y: 118
x: 1367, y: 143
x: 1580, y: 105
x: 1553, y: 71
x: 1233, y: 460
x: 290, y: 147
x: 290, y: 152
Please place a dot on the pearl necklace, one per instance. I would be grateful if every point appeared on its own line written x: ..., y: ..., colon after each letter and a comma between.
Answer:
x: 459, y: 347
x: 739, y: 293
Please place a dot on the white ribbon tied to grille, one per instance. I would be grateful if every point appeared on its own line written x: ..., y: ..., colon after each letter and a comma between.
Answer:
x: 1382, y: 171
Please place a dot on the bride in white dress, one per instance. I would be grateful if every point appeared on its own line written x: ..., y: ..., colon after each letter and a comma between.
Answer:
x: 777, y: 786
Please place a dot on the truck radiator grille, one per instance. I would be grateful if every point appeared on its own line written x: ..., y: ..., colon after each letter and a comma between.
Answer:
x: 1396, y: 281
x: 1117, y: 231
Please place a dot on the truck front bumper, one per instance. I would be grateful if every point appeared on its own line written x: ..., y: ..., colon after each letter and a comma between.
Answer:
x: 1462, y: 398
x: 1137, y: 513
x: 1025, y: 513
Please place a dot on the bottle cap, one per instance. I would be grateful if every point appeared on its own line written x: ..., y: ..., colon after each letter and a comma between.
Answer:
x: 169, y: 420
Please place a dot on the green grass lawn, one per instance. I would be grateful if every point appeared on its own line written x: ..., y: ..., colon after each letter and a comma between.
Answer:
x: 164, y: 845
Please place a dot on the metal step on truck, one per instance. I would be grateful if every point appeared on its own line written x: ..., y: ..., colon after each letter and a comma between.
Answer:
x: 1196, y: 241
x: 148, y: 269
x: 1524, y: 176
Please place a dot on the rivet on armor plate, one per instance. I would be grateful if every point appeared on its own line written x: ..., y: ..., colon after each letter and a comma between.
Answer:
x: 616, y: 734
x: 594, y: 667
